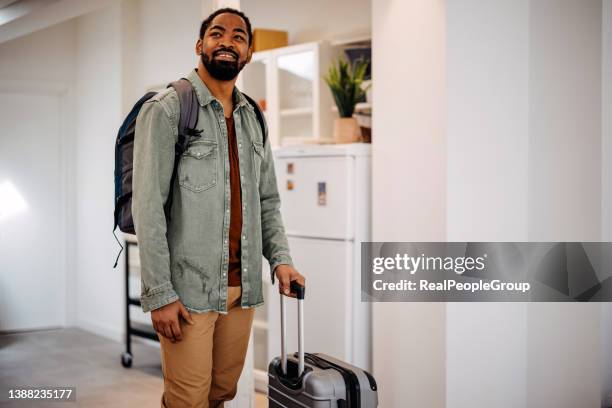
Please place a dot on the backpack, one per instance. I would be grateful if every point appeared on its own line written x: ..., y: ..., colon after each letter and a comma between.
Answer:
x: 124, y: 151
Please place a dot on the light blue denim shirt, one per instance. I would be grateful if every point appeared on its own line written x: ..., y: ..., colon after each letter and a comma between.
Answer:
x: 187, y: 258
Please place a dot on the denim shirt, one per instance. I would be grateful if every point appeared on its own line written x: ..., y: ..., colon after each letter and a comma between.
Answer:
x: 187, y: 257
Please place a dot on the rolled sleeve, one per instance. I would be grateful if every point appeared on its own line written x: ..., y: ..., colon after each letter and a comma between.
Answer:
x: 279, y: 259
x: 158, y: 297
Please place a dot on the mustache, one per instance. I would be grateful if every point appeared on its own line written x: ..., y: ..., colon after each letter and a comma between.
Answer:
x: 227, y: 51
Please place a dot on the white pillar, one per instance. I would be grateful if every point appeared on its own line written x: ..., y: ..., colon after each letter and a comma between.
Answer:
x: 606, y: 182
x: 563, y: 364
x: 409, y: 189
x: 487, y: 86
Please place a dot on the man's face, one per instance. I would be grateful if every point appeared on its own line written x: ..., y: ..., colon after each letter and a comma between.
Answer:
x: 224, y: 49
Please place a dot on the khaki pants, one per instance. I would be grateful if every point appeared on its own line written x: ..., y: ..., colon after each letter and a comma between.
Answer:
x: 203, y: 369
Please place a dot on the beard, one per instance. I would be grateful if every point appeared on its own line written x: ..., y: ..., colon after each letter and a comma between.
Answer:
x: 222, y: 70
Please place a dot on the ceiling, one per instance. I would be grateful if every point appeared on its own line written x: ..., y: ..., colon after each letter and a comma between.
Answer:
x: 4, y: 3
x: 22, y: 17
x: 11, y: 10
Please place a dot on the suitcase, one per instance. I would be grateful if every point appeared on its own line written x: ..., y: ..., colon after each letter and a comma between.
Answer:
x: 313, y: 379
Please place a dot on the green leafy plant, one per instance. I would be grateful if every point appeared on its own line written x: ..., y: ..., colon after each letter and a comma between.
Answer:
x: 344, y: 81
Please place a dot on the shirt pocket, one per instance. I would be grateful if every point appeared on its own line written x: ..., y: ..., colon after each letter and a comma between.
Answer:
x: 258, y: 155
x: 198, y: 167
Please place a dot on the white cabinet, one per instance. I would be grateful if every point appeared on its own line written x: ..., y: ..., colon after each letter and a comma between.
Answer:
x: 325, y: 203
x: 288, y: 83
x: 317, y: 187
x: 328, y: 266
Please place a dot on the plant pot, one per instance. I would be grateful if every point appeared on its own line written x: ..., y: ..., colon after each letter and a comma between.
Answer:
x: 346, y: 130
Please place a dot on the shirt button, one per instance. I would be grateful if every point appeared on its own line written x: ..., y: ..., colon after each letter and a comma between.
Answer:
x: 239, y: 144
x: 226, y: 241
x: 245, y: 269
x: 244, y: 237
x: 227, y: 210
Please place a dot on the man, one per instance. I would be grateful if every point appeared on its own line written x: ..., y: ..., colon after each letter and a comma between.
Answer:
x: 201, y: 270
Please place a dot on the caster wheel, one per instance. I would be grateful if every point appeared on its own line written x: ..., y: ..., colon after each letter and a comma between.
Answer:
x: 126, y: 360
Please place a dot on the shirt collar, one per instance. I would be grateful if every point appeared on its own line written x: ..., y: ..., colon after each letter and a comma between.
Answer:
x: 204, y: 95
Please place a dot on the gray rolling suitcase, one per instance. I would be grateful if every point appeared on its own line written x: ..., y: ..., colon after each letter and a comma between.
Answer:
x: 315, y: 380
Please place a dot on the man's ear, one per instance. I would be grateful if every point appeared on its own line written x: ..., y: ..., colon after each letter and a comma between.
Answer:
x: 249, y: 54
x: 198, y: 47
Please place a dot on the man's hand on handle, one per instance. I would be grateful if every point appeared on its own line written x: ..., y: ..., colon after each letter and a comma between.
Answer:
x: 285, y: 275
x: 166, y: 320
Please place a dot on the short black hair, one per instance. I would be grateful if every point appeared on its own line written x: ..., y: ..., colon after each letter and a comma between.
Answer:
x: 209, y: 19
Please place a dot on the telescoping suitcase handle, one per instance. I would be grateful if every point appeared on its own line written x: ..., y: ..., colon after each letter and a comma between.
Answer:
x: 300, y: 291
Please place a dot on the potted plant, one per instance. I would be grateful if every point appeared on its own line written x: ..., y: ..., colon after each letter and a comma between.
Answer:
x: 345, y: 82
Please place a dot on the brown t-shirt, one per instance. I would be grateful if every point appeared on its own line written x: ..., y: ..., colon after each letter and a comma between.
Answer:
x: 233, y: 273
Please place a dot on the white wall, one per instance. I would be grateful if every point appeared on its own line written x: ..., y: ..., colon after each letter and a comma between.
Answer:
x: 165, y: 41
x: 564, y: 355
x: 45, y: 60
x: 46, y: 14
x: 606, y: 353
x: 98, y: 81
x: 487, y: 63
x: 158, y: 43
x: 563, y: 364
x: 565, y: 120
x: 46, y: 55
x: 83, y: 55
x: 409, y: 190
x: 487, y: 84
x: 523, y: 136
x: 311, y: 20
x: 606, y: 119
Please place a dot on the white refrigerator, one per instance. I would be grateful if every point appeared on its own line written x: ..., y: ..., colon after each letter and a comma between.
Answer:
x: 325, y: 203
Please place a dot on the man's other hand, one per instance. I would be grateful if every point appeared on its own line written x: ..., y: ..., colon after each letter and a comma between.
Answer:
x: 285, y: 275
x: 166, y: 320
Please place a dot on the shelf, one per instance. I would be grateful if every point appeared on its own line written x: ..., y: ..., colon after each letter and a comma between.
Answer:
x: 356, y: 39
x: 134, y: 301
x: 296, y: 140
x: 292, y: 85
x: 143, y: 330
x: 296, y: 112
x: 358, y: 106
x: 261, y: 380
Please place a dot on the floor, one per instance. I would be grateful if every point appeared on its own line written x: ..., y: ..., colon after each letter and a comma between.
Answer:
x: 74, y: 357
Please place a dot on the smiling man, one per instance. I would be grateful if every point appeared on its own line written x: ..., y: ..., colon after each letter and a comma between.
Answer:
x: 201, y: 268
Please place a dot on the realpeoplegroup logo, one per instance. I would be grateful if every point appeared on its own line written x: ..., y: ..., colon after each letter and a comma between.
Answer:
x: 486, y: 271
x: 457, y: 264
x: 451, y: 284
